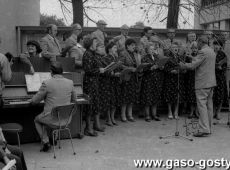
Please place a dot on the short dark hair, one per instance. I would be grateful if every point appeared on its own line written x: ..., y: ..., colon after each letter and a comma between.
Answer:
x: 9, y: 56
x: 88, y: 41
x: 56, y: 68
x: 129, y: 41
x: 109, y: 46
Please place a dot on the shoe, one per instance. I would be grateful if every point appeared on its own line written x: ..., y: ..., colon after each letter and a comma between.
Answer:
x: 156, y: 118
x: 46, y: 147
x: 123, y: 120
x: 101, y: 129
x: 170, y: 116
x: 109, y: 123
x: 88, y: 133
x: 176, y: 117
x: 131, y: 119
x: 201, y: 134
x: 114, y: 123
x: 147, y: 119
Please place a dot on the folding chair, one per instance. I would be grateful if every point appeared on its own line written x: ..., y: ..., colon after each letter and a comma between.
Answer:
x: 61, y: 118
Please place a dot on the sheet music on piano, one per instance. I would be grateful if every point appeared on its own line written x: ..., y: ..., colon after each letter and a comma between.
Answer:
x: 33, y: 82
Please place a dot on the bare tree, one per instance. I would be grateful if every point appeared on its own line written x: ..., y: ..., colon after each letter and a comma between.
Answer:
x: 170, y: 11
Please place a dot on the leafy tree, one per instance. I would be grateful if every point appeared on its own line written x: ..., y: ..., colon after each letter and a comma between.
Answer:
x: 50, y: 19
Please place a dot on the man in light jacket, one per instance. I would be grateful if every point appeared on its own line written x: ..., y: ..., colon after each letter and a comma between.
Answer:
x: 205, y: 81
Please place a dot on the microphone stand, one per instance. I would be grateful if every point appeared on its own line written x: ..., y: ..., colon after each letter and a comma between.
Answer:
x: 177, y: 133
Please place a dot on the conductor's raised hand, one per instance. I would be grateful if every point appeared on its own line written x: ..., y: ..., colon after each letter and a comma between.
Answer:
x: 154, y: 67
x: 102, y: 70
x: 174, y: 71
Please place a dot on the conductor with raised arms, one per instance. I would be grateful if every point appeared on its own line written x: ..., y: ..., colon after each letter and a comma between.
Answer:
x: 205, y: 81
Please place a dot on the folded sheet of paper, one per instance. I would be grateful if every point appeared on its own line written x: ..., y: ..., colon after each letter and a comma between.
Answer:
x: 10, y: 164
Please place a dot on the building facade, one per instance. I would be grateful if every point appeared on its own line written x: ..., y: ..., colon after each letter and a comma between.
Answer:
x: 212, y: 14
x: 16, y: 13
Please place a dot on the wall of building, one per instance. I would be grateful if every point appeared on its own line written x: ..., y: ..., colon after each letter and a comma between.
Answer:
x: 16, y: 13
x: 215, y: 16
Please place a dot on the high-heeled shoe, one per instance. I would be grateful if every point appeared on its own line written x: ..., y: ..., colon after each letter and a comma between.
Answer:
x: 170, y: 116
x: 147, y: 119
x: 109, y: 123
x: 131, y: 119
x: 123, y: 120
x: 114, y: 123
x: 88, y: 133
x: 99, y: 129
x: 156, y: 118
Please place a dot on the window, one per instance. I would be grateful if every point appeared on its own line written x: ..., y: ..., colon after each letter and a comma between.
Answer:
x: 208, y: 3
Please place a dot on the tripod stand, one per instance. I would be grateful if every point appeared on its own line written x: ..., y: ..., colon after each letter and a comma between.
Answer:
x: 177, y: 133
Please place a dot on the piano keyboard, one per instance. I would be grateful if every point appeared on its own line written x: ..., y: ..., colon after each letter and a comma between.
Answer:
x: 18, y: 101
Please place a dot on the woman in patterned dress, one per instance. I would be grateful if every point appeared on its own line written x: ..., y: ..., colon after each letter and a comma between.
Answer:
x: 129, y: 86
x: 220, y: 91
x: 92, y: 70
x: 152, y: 81
x: 173, y: 83
x: 104, y: 86
x: 190, y: 84
x: 115, y: 89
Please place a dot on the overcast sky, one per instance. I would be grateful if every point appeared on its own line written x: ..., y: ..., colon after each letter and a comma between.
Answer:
x: 114, y: 17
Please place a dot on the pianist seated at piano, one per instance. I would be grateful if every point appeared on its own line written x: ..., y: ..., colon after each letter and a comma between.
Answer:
x: 9, y: 152
x: 55, y: 92
x: 33, y: 50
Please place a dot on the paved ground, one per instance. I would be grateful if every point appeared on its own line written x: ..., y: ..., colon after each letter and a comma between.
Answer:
x: 117, y: 148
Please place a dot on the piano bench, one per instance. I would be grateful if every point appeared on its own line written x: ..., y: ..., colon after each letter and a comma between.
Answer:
x: 12, y: 128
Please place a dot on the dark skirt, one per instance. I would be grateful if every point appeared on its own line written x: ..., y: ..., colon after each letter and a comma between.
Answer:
x: 190, y: 87
x: 90, y: 88
x: 220, y: 91
x: 130, y: 90
x: 104, y: 94
x: 172, y: 90
x: 115, y: 96
x: 151, y: 88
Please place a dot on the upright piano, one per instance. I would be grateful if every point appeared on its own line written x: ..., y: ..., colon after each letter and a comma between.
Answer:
x: 16, y: 108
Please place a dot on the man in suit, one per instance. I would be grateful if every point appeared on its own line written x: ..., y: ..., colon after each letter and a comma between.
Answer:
x: 120, y: 39
x: 205, y: 81
x: 50, y: 44
x: 73, y: 46
x: 55, y: 91
x: 99, y: 33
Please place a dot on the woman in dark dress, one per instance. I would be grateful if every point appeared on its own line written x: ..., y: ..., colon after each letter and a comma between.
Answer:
x: 190, y: 83
x: 220, y: 91
x: 115, y: 86
x: 152, y: 81
x: 174, y: 88
x: 129, y: 85
x: 103, y: 88
x: 92, y: 69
